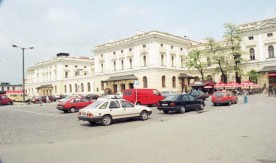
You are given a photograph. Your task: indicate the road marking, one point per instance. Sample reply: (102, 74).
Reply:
(32, 112)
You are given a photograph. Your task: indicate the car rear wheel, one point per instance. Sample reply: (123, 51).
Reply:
(106, 120)
(182, 110)
(166, 111)
(215, 104)
(72, 110)
(144, 115)
(65, 111)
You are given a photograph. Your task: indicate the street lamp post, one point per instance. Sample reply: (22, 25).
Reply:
(23, 64)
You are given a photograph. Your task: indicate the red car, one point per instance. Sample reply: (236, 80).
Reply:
(4, 100)
(73, 104)
(224, 97)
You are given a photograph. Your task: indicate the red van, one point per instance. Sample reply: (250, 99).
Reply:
(4, 100)
(142, 96)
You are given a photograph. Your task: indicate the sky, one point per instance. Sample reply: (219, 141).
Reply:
(77, 26)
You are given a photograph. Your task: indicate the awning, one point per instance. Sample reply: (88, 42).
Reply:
(268, 69)
(184, 75)
(45, 86)
(118, 78)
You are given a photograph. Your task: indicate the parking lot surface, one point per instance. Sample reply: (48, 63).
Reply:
(237, 133)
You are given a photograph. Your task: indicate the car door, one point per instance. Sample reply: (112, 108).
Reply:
(116, 110)
(129, 109)
(185, 101)
(83, 103)
(193, 104)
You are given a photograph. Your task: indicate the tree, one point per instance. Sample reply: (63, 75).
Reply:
(232, 38)
(219, 57)
(253, 76)
(196, 60)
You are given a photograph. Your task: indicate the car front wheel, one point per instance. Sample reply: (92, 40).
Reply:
(144, 115)
(106, 120)
(166, 111)
(201, 107)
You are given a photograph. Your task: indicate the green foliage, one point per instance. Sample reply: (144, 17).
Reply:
(253, 76)
(196, 60)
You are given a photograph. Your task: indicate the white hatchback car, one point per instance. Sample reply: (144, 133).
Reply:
(106, 110)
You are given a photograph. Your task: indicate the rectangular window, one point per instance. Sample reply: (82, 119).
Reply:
(66, 65)
(114, 53)
(76, 66)
(269, 34)
(144, 46)
(181, 49)
(161, 45)
(130, 49)
(250, 38)
(171, 47)
(122, 51)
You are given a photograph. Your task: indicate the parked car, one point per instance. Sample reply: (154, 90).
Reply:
(73, 104)
(224, 97)
(199, 94)
(168, 93)
(92, 97)
(106, 110)
(43, 98)
(142, 96)
(5, 100)
(180, 103)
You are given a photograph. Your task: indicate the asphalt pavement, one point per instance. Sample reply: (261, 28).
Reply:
(237, 133)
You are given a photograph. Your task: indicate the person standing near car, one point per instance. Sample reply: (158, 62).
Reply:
(40, 100)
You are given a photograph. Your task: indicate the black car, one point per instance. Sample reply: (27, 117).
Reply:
(92, 97)
(198, 94)
(180, 103)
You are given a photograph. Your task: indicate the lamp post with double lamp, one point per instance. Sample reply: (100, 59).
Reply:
(23, 64)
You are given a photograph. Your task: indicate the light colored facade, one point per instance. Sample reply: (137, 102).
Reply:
(146, 60)
(5, 86)
(62, 75)
(259, 43)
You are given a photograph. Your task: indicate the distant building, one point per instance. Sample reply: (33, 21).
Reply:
(62, 75)
(6, 86)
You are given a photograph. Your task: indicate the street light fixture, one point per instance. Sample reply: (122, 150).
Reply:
(23, 64)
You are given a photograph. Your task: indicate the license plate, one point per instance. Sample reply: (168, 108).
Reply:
(164, 104)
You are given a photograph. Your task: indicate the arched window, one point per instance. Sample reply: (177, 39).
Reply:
(173, 82)
(271, 51)
(66, 74)
(65, 89)
(145, 82)
(163, 81)
(82, 87)
(209, 77)
(145, 60)
(162, 60)
(88, 87)
(122, 64)
(252, 54)
(130, 63)
(76, 88)
(70, 88)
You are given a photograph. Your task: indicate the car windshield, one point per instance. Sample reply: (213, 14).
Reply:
(95, 104)
(171, 98)
(219, 94)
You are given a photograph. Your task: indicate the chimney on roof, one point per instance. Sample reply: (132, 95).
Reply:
(62, 54)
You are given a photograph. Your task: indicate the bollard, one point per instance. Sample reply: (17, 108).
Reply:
(245, 99)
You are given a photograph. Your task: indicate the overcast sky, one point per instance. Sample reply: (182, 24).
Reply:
(77, 26)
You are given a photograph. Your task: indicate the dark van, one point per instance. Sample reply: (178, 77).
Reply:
(142, 96)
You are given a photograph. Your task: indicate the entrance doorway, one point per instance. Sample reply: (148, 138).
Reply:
(123, 87)
(131, 85)
(115, 88)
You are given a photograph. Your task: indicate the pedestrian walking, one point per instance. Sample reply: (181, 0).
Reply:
(47, 99)
(40, 100)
